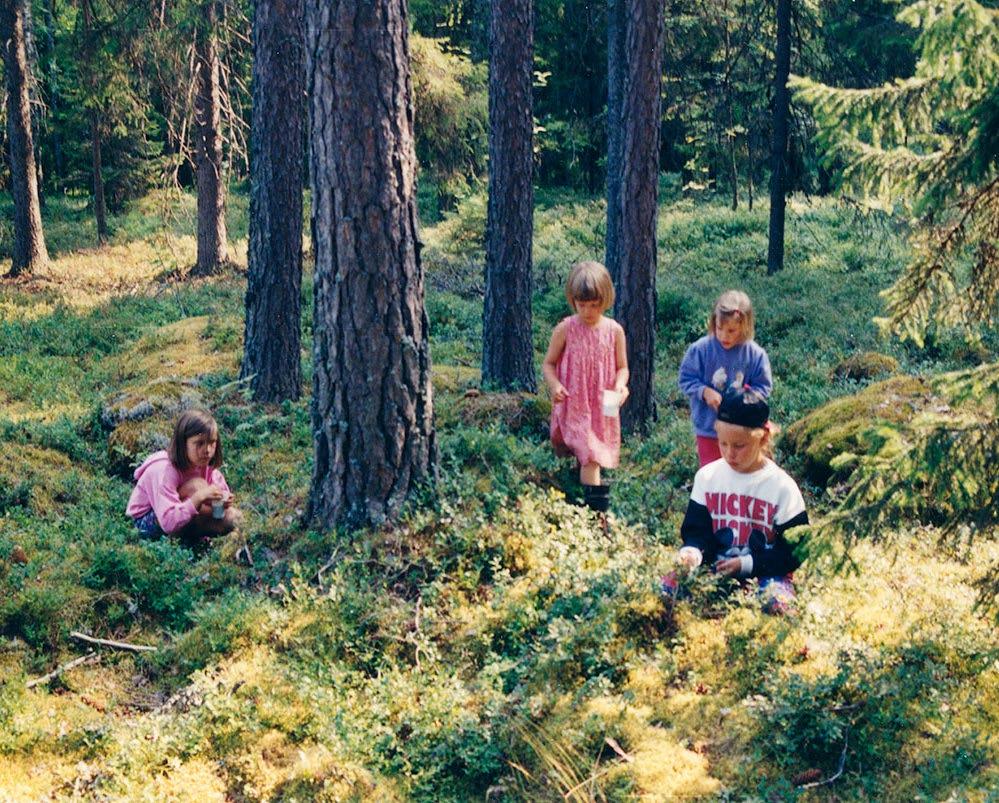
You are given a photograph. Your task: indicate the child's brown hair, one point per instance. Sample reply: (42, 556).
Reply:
(734, 305)
(191, 423)
(589, 281)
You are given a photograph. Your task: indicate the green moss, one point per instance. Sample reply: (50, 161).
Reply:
(838, 427)
(865, 365)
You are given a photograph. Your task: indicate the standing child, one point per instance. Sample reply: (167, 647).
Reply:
(587, 356)
(726, 357)
(740, 506)
(180, 490)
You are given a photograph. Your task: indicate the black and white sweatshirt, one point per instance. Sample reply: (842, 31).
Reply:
(744, 515)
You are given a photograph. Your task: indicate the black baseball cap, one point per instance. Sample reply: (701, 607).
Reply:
(744, 407)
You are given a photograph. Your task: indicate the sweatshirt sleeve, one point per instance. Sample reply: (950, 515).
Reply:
(761, 379)
(172, 513)
(691, 369)
(696, 530)
(778, 559)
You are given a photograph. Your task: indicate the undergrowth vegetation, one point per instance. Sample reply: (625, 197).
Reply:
(495, 644)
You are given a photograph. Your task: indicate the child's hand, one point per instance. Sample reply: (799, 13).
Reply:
(712, 398)
(689, 556)
(207, 494)
(730, 567)
(559, 393)
(624, 393)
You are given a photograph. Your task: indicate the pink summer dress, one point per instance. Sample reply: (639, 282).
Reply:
(587, 367)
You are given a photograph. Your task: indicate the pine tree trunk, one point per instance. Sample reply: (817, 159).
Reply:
(635, 306)
(729, 103)
(272, 342)
(507, 350)
(29, 253)
(615, 132)
(775, 251)
(54, 98)
(212, 253)
(100, 209)
(372, 411)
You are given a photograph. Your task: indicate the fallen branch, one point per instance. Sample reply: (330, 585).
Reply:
(118, 645)
(90, 657)
(842, 763)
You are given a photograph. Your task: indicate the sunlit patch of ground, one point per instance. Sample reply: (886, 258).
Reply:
(87, 278)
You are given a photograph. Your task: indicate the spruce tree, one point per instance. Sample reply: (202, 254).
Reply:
(931, 143)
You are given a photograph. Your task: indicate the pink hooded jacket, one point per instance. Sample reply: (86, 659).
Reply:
(157, 481)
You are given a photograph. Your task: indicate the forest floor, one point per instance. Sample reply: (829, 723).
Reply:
(495, 644)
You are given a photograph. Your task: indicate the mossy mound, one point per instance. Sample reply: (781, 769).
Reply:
(520, 413)
(830, 440)
(167, 368)
(35, 478)
(837, 429)
(865, 365)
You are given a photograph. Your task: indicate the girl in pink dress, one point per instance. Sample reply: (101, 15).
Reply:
(587, 356)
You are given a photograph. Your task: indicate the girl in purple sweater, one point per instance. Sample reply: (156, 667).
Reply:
(727, 357)
(180, 490)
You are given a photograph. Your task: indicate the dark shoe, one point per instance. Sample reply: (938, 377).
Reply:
(597, 497)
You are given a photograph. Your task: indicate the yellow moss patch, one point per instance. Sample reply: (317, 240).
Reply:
(32, 475)
(660, 767)
(275, 768)
(454, 378)
(185, 349)
(196, 781)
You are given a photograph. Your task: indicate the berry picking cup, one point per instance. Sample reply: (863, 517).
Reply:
(610, 402)
(218, 508)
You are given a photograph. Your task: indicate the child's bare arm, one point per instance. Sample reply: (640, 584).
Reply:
(623, 374)
(550, 366)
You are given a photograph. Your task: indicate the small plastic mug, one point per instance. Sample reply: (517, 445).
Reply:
(611, 402)
(218, 508)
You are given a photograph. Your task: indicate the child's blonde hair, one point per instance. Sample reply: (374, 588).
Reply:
(734, 305)
(589, 281)
(192, 423)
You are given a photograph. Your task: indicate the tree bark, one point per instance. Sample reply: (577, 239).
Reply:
(775, 250)
(212, 246)
(100, 208)
(29, 253)
(635, 306)
(372, 410)
(727, 88)
(615, 132)
(272, 342)
(507, 349)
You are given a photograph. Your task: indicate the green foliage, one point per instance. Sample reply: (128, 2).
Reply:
(930, 141)
(452, 115)
(496, 638)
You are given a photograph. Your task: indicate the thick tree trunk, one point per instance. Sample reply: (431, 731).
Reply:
(635, 307)
(775, 251)
(212, 253)
(616, 63)
(29, 252)
(372, 410)
(507, 350)
(272, 351)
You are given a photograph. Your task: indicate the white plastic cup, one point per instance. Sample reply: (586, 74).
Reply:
(611, 402)
(218, 508)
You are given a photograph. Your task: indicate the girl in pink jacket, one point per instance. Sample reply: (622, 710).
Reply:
(180, 490)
